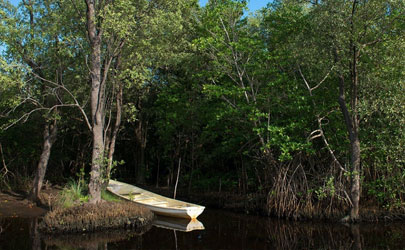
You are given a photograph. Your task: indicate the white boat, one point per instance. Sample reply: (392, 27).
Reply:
(156, 203)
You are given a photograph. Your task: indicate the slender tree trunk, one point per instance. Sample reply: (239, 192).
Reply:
(140, 136)
(354, 126)
(97, 104)
(177, 179)
(158, 170)
(352, 130)
(50, 134)
(190, 181)
(113, 138)
(355, 180)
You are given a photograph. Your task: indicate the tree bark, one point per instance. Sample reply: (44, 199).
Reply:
(354, 125)
(140, 138)
(352, 130)
(355, 180)
(50, 134)
(112, 140)
(97, 104)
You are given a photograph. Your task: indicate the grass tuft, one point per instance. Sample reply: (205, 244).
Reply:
(73, 194)
(107, 196)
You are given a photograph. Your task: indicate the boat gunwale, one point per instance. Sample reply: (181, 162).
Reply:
(188, 205)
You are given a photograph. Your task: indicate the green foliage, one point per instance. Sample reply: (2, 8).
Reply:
(75, 192)
(388, 190)
(242, 74)
(237, 97)
(328, 189)
(107, 196)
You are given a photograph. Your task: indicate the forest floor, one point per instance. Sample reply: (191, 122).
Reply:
(16, 204)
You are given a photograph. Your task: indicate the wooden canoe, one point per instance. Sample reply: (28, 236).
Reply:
(156, 203)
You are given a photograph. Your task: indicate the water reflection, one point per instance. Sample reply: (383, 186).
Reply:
(34, 234)
(97, 240)
(183, 225)
(222, 231)
(232, 231)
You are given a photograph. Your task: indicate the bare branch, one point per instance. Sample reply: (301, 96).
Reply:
(76, 102)
(229, 102)
(319, 132)
(319, 84)
(314, 134)
(305, 81)
(24, 117)
(325, 141)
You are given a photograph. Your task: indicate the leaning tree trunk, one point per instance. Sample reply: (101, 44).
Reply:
(50, 133)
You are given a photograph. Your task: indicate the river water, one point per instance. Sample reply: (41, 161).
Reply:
(223, 230)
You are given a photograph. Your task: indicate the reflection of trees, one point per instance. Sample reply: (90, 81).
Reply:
(34, 235)
(225, 231)
(289, 235)
(97, 240)
(89, 241)
(3, 226)
(321, 235)
(356, 235)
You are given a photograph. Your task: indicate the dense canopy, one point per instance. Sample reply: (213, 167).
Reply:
(301, 102)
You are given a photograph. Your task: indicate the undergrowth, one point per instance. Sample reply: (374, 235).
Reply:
(95, 217)
(74, 193)
(107, 196)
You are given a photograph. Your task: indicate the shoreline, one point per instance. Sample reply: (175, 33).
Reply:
(16, 205)
(254, 204)
(13, 204)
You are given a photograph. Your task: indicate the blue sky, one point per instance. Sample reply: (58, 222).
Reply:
(253, 5)
(15, 2)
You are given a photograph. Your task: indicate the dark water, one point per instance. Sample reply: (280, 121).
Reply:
(223, 230)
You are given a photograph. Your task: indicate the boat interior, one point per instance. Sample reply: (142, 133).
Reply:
(144, 198)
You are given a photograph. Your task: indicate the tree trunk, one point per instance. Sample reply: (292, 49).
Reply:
(355, 180)
(140, 137)
(158, 170)
(97, 163)
(113, 137)
(177, 179)
(352, 130)
(353, 127)
(50, 134)
(97, 104)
